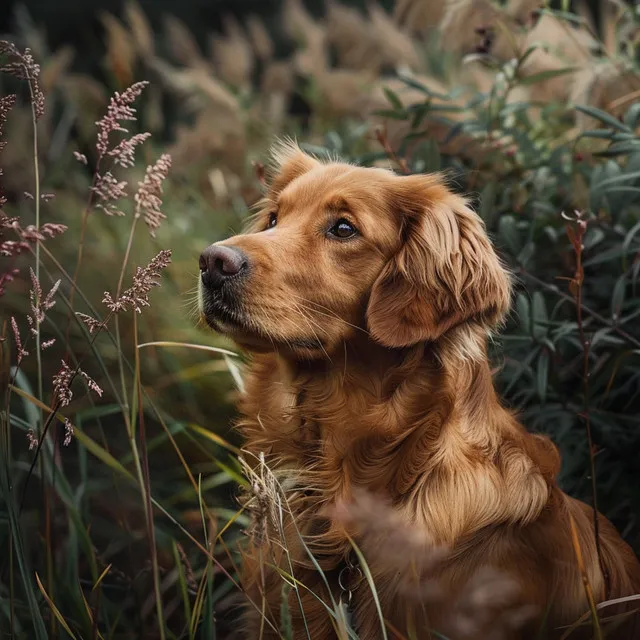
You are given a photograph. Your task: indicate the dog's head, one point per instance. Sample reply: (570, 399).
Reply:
(337, 249)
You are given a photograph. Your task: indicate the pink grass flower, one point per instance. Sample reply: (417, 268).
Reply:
(149, 196)
(21, 352)
(68, 432)
(119, 110)
(91, 323)
(123, 153)
(108, 189)
(137, 296)
(33, 441)
(21, 65)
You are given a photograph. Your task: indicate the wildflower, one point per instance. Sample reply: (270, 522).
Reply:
(92, 323)
(46, 197)
(62, 383)
(108, 189)
(53, 229)
(40, 304)
(148, 199)
(91, 383)
(137, 296)
(123, 153)
(47, 343)
(8, 276)
(24, 67)
(31, 234)
(6, 104)
(80, 157)
(68, 432)
(9, 248)
(16, 336)
(119, 109)
(33, 441)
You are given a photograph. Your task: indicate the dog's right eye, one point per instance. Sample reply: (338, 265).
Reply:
(273, 221)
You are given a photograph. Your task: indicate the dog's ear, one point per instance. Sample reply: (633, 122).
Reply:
(445, 273)
(288, 163)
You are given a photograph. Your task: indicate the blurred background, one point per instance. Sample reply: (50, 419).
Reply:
(531, 108)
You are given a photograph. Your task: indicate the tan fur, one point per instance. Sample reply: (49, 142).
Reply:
(369, 371)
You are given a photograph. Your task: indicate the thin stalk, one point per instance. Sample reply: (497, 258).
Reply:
(83, 229)
(145, 480)
(36, 174)
(586, 348)
(127, 253)
(576, 237)
(45, 492)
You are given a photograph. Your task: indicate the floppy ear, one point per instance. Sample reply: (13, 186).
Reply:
(288, 163)
(445, 273)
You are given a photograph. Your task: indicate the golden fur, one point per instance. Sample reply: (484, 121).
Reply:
(369, 372)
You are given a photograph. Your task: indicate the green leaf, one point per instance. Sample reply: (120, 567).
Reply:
(619, 149)
(524, 312)
(394, 115)
(540, 315)
(622, 177)
(603, 134)
(423, 88)
(286, 626)
(544, 75)
(632, 116)
(617, 298)
(391, 96)
(526, 254)
(542, 377)
(509, 234)
(604, 117)
(631, 234)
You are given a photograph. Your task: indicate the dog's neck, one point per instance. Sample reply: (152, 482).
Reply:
(401, 384)
(422, 423)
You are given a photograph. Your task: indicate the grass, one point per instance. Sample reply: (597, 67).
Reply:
(132, 528)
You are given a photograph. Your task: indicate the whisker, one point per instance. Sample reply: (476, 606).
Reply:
(327, 313)
(308, 321)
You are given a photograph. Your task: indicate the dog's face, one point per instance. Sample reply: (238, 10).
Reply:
(338, 249)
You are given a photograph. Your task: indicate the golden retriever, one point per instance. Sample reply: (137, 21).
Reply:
(365, 300)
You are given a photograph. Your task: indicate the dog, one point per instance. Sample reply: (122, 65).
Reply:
(364, 300)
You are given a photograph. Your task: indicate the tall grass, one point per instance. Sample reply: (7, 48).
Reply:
(119, 470)
(92, 550)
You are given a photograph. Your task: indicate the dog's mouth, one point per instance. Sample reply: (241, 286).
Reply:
(228, 316)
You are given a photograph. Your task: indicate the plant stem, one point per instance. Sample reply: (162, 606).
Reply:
(36, 175)
(83, 229)
(41, 435)
(127, 253)
(145, 479)
(586, 349)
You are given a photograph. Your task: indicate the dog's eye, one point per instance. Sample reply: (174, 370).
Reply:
(273, 220)
(343, 229)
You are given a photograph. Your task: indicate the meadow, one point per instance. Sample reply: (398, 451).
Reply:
(120, 467)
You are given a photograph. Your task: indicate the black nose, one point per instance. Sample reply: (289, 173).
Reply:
(219, 263)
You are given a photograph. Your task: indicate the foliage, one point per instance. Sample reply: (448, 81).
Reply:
(123, 506)
(569, 355)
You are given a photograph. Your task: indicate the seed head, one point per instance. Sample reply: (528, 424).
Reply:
(149, 196)
(137, 296)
